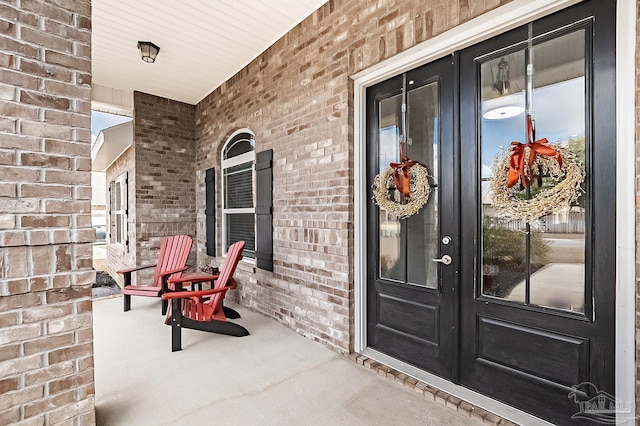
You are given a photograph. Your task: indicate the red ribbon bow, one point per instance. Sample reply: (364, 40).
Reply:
(401, 172)
(517, 170)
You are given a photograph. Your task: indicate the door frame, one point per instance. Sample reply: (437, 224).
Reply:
(495, 22)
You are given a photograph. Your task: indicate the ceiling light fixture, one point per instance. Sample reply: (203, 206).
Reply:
(503, 112)
(502, 83)
(148, 51)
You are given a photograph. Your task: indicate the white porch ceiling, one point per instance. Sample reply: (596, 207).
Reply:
(202, 43)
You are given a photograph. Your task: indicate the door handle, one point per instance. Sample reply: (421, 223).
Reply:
(446, 259)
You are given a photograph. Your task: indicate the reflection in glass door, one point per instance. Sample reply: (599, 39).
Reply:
(542, 262)
(538, 293)
(408, 245)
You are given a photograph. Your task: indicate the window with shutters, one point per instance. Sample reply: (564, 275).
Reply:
(238, 205)
(118, 210)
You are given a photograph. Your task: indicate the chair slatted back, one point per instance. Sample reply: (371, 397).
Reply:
(228, 268)
(174, 252)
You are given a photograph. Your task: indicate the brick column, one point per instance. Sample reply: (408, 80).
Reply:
(164, 182)
(46, 342)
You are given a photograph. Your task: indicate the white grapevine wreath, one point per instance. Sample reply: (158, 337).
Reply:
(567, 177)
(384, 191)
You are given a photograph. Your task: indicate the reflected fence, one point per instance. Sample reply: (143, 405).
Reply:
(560, 223)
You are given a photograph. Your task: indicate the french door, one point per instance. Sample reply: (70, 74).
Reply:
(408, 286)
(524, 311)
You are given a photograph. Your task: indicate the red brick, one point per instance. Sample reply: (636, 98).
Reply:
(64, 177)
(7, 93)
(47, 312)
(56, 386)
(44, 100)
(8, 385)
(19, 365)
(45, 70)
(79, 409)
(10, 416)
(8, 319)
(23, 49)
(43, 375)
(48, 404)
(67, 61)
(9, 29)
(8, 190)
(48, 10)
(20, 333)
(45, 130)
(54, 206)
(46, 40)
(9, 352)
(38, 238)
(19, 302)
(7, 157)
(14, 109)
(41, 260)
(20, 141)
(69, 323)
(18, 174)
(46, 161)
(73, 352)
(38, 284)
(67, 31)
(45, 221)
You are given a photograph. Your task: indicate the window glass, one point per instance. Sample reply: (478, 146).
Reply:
(238, 210)
(118, 215)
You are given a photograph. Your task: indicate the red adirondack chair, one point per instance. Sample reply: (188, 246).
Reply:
(203, 309)
(172, 260)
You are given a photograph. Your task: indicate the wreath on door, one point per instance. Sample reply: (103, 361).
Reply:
(402, 189)
(525, 165)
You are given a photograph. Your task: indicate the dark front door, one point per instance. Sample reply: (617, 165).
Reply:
(538, 297)
(525, 311)
(411, 307)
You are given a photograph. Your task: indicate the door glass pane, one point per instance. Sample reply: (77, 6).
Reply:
(407, 246)
(503, 241)
(422, 228)
(392, 259)
(558, 278)
(552, 257)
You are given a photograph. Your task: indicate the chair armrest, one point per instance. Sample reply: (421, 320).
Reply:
(193, 278)
(135, 268)
(173, 271)
(187, 294)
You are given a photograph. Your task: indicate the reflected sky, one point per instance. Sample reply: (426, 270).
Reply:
(557, 109)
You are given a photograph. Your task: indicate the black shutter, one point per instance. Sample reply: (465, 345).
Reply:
(210, 210)
(264, 207)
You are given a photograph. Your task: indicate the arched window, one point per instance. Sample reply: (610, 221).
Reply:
(238, 208)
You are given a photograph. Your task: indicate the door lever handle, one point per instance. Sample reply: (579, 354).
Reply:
(446, 259)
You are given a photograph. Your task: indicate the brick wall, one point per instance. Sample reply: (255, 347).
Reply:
(121, 256)
(164, 140)
(46, 344)
(296, 98)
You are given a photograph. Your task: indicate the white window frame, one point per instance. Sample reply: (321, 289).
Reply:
(119, 211)
(234, 161)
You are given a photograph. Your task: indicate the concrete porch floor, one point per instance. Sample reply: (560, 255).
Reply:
(272, 377)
